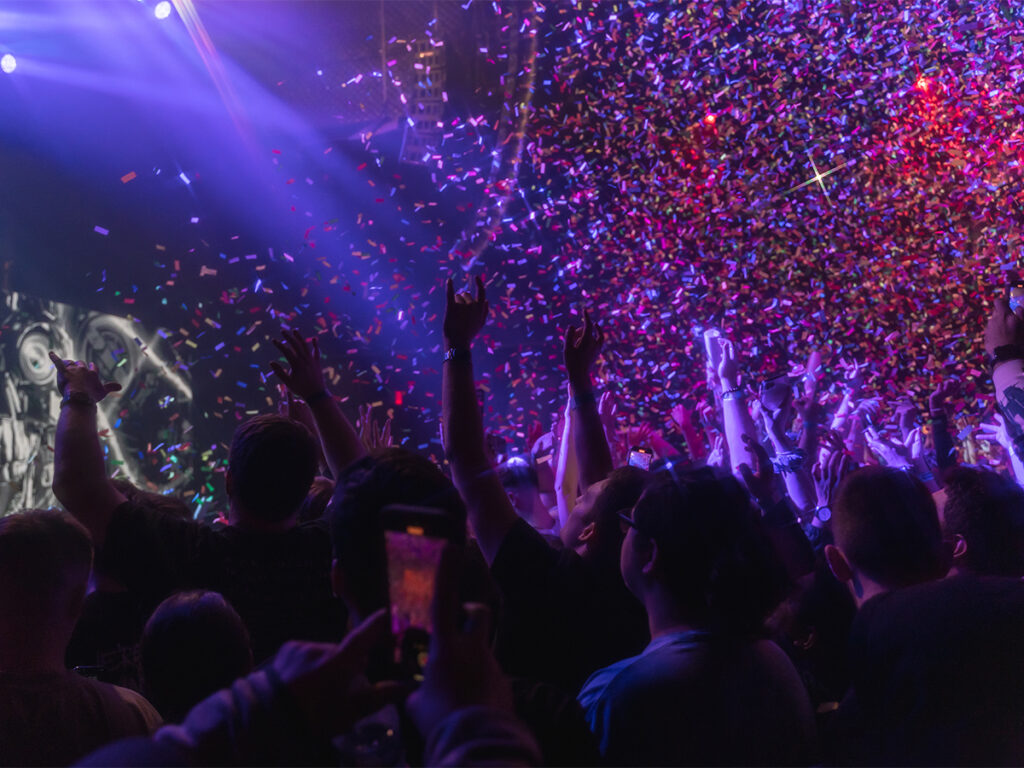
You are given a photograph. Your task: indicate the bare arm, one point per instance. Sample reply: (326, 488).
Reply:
(490, 512)
(735, 414)
(567, 476)
(340, 441)
(582, 346)
(80, 479)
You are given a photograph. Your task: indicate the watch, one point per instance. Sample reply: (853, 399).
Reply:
(77, 398)
(1005, 353)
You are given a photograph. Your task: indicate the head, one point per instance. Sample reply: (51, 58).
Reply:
(886, 531)
(45, 560)
(160, 502)
(594, 521)
(696, 542)
(193, 645)
(983, 518)
(395, 476)
(519, 479)
(315, 504)
(271, 466)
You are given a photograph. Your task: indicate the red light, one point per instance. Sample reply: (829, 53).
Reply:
(922, 83)
(709, 119)
(398, 397)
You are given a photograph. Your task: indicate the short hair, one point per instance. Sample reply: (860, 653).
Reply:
(193, 645)
(44, 553)
(885, 522)
(272, 461)
(623, 489)
(987, 509)
(394, 476)
(518, 472)
(714, 555)
(158, 502)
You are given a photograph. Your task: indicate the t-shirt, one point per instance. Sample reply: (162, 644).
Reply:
(937, 676)
(559, 619)
(55, 718)
(694, 699)
(278, 582)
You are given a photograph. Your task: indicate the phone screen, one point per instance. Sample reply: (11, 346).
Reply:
(413, 557)
(1016, 295)
(640, 457)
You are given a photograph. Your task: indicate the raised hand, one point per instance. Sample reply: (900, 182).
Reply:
(995, 432)
(1004, 327)
(717, 457)
(729, 368)
(305, 377)
(77, 377)
(582, 346)
(827, 474)
(758, 474)
(464, 316)
(296, 410)
(374, 438)
(891, 451)
(937, 399)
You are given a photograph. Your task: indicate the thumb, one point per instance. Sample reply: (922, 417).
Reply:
(112, 386)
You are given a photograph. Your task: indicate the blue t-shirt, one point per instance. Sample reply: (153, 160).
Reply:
(694, 698)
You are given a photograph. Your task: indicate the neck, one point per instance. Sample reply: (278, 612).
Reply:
(863, 588)
(24, 651)
(663, 614)
(240, 519)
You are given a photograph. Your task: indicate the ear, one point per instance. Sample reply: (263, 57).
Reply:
(838, 563)
(589, 532)
(653, 559)
(959, 544)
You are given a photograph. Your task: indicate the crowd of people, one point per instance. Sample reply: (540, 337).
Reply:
(792, 579)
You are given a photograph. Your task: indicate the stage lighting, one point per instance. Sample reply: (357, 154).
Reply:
(8, 63)
(162, 10)
(709, 119)
(922, 83)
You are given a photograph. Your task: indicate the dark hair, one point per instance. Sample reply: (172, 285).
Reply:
(988, 511)
(158, 502)
(886, 524)
(315, 504)
(272, 463)
(193, 645)
(714, 556)
(518, 472)
(394, 476)
(623, 489)
(43, 552)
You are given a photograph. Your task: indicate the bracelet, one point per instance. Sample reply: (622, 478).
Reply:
(317, 396)
(77, 398)
(457, 355)
(823, 513)
(733, 394)
(1005, 353)
(585, 398)
(926, 477)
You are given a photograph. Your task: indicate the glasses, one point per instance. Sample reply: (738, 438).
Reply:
(626, 522)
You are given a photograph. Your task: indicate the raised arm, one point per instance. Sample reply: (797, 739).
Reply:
(582, 346)
(305, 379)
(735, 414)
(567, 473)
(490, 512)
(80, 479)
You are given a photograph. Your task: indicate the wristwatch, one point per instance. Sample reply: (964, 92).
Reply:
(77, 398)
(1006, 353)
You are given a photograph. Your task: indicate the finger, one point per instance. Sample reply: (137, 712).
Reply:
(279, 371)
(446, 608)
(57, 362)
(357, 644)
(112, 386)
(286, 352)
(449, 289)
(316, 348)
(746, 475)
(481, 293)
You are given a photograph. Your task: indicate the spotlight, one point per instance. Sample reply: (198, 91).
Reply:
(709, 119)
(162, 10)
(922, 83)
(8, 63)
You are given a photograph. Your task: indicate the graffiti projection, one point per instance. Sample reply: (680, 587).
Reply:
(145, 428)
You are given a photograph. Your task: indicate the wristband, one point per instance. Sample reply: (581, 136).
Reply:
(926, 477)
(317, 396)
(585, 398)
(77, 398)
(457, 355)
(1005, 353)
(733, 394)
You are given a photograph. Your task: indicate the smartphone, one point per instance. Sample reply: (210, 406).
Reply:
(1015, 295)
(640, 457)
(713, 347)
(413, 540)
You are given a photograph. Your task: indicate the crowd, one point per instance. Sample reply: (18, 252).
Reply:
(790, 580)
